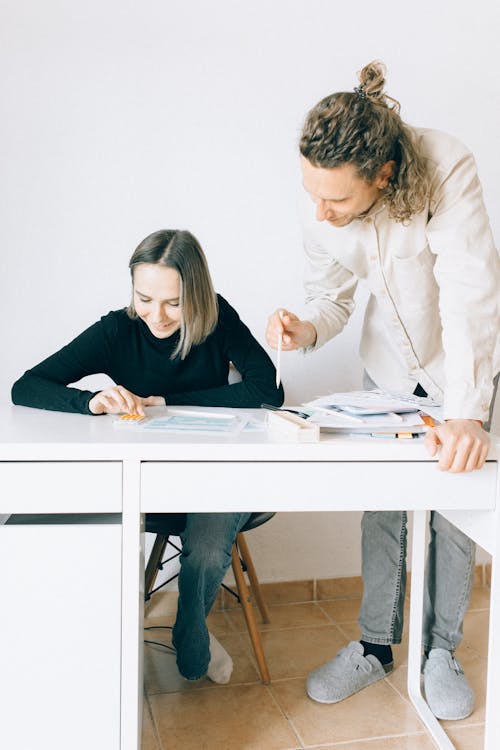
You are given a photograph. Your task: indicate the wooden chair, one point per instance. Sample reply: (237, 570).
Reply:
(172, 524)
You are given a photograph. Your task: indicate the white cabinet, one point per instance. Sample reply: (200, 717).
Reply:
(60, 636)
(60, 600)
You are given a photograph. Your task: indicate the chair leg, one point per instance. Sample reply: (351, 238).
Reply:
(252, 575)
(246, 603)
(154, 561)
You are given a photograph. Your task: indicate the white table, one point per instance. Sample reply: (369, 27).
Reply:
(60, 463)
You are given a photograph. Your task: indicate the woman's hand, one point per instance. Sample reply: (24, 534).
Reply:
(118, 399)
(296, 333)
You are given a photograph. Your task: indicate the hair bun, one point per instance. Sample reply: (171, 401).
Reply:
(372, 79)
(372, 82)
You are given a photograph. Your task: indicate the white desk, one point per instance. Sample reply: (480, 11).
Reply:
(55, 463)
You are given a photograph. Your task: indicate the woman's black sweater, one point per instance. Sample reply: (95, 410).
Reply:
(127, 351)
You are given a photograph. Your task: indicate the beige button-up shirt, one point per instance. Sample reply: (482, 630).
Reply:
(433, 316)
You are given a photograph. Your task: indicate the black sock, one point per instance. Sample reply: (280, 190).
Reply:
(382, 653)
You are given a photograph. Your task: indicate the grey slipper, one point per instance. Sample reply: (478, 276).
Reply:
(345, 675)
(447, 692)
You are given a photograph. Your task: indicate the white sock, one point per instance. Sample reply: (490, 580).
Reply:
(221, 664)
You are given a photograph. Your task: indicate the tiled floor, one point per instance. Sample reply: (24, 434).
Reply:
(246, 715)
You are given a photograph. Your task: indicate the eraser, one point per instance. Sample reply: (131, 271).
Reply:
(129, 419)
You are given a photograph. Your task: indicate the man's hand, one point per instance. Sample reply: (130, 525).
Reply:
(118, 399)
(464, 445)
(296, 333)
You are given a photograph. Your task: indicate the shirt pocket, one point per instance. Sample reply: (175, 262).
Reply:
(412, 282)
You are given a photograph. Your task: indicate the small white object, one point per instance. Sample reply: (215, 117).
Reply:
(337, 413)
(278, 358)
(395, 415)
(291, 428)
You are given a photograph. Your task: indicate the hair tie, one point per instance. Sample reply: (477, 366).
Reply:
(360, 91)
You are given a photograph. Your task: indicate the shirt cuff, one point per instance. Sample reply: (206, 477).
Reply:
(465, 402)
(323, 332)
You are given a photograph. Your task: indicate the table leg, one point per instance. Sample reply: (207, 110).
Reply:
(132, 609)
(492, 720)
(415, 632)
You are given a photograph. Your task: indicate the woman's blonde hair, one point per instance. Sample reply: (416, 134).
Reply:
(364, 128)
(181, 251)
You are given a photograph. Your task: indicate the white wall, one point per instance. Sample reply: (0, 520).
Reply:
(121, 117)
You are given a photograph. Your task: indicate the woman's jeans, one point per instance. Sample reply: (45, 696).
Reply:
(448, 582)
(206, 555)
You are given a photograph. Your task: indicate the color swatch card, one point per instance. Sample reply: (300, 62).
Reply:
(207, 424)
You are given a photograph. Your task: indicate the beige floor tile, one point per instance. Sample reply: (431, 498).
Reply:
(162, 676)
(283, 616)
(487, 574)
(287, 592)
(466, 653)
(377, 711)
(480, 598)
(476, 631)
(294, 653)
(217, 623)
(339, 588)
(238, 718)
(351, 630)
(148, 741)
(342, 610)
(398, 679)
(467, 738)
(161, 604)
(408, 742)
(281, 592)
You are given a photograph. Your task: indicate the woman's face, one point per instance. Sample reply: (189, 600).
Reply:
(157, 292)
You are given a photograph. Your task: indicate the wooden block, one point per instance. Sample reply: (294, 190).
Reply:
(289, 427)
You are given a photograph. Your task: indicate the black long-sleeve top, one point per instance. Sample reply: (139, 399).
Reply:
(127, 351)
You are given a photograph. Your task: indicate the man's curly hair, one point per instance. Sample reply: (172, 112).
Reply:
(364, 128)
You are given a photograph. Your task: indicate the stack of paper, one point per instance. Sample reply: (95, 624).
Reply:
(375, 413)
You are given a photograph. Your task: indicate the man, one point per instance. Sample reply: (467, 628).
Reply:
(401, 209)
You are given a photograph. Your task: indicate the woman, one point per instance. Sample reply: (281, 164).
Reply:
(173, 345)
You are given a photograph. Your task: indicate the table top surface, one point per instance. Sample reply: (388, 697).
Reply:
(35, 434)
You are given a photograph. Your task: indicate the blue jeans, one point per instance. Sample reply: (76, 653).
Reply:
(448, 582)
(206, 555)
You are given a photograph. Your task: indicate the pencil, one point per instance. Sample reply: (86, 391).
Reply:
(426, 419)
(278, 358)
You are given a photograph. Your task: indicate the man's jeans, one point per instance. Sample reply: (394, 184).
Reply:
(449, 577)
(206, 555)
